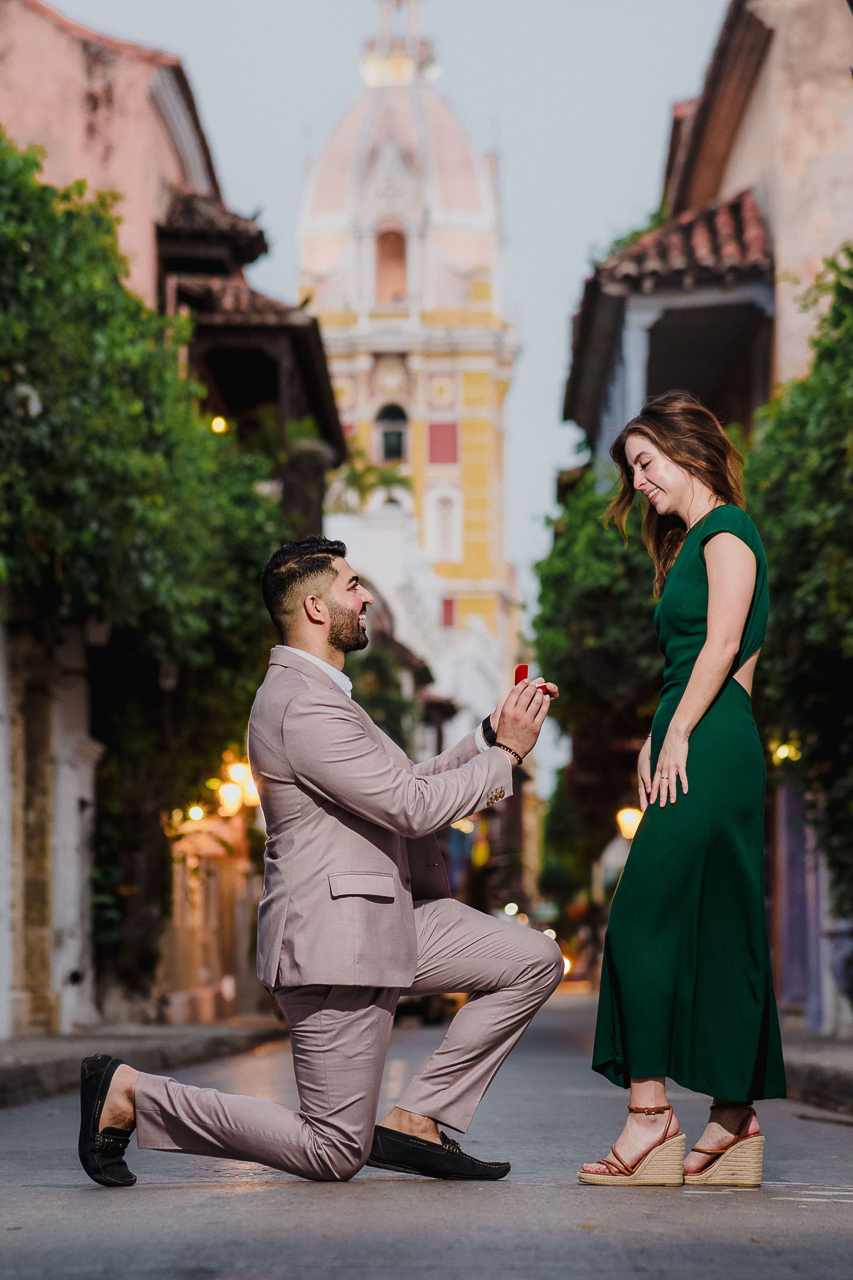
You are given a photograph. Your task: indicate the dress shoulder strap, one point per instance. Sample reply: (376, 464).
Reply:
(729, 519)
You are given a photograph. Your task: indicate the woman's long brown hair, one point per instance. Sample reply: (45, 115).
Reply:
(690, 436)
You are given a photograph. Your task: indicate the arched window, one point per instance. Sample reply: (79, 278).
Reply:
(391, 421)
(390, 267)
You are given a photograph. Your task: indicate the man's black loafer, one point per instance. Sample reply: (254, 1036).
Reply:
(399, 1151)
(101, 1154)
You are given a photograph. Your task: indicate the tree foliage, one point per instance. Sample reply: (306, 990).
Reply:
(657, 218)
(595, 638)
(358, 479)
(107, 468)
(800, 489)
(118, 503)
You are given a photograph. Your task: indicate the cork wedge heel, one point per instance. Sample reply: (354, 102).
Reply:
(663, 1166)
(738, 1164)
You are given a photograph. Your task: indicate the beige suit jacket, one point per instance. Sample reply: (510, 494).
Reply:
(350, 823)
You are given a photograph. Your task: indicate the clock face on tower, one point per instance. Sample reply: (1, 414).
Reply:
(390, 377)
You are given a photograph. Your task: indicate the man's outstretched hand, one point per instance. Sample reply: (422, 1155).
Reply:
(518, 719)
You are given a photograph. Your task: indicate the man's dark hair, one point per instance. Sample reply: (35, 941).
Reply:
(297, 570)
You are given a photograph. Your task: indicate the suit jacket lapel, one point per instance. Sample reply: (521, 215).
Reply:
(283, 658)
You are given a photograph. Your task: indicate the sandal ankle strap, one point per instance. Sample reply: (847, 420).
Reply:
(649, 1111)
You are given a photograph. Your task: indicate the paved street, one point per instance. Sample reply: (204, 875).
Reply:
(195, 1219)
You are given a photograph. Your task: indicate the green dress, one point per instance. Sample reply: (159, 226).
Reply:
(686, 985)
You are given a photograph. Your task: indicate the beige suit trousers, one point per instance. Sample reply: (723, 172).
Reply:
(339, 1037)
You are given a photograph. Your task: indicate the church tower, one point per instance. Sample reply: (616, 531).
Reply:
(400, 238)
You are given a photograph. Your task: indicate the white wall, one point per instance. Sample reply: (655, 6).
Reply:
(795, 147)
(76, 756)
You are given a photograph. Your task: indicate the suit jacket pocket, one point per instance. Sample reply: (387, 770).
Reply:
(362, 884)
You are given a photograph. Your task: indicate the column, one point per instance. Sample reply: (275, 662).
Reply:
(6, 929)
(640, 315)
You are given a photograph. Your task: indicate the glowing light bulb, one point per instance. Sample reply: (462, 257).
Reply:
(250, 791)
(567, 966)
(628, 820)
(231, 796)
(511, 908)
(238, 772)
(549, 933)
(219, 425)
(196, 813)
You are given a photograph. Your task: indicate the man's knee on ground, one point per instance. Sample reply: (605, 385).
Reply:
(338, 1160)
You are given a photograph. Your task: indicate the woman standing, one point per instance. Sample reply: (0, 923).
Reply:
(686, 986)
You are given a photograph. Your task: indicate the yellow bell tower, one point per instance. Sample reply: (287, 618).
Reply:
(400, 240)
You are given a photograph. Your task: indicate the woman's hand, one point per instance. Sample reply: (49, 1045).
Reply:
(672, 765)
(644, 772)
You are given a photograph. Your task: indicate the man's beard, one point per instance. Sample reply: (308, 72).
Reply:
(346, 634)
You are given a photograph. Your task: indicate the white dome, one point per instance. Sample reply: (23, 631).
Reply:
(399, 161)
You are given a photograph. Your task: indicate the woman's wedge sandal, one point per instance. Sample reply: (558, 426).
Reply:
(737, 1165)
(663, 1166)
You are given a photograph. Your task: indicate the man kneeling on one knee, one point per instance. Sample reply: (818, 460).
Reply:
(356, 909)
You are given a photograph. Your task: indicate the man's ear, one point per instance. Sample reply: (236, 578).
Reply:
(316, 610)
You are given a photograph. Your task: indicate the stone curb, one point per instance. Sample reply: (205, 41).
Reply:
(32, 1070)
(822, 1075)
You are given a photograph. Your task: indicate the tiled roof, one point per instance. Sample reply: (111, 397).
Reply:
(223, 305)
(722, 243)
(230, 300)
(199, 217)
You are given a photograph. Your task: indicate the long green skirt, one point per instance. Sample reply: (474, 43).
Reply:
(686, 985)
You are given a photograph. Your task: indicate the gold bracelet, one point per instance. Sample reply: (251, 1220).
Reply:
(504, 747)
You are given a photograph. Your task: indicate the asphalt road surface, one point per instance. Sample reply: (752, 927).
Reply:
(190, 1218)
